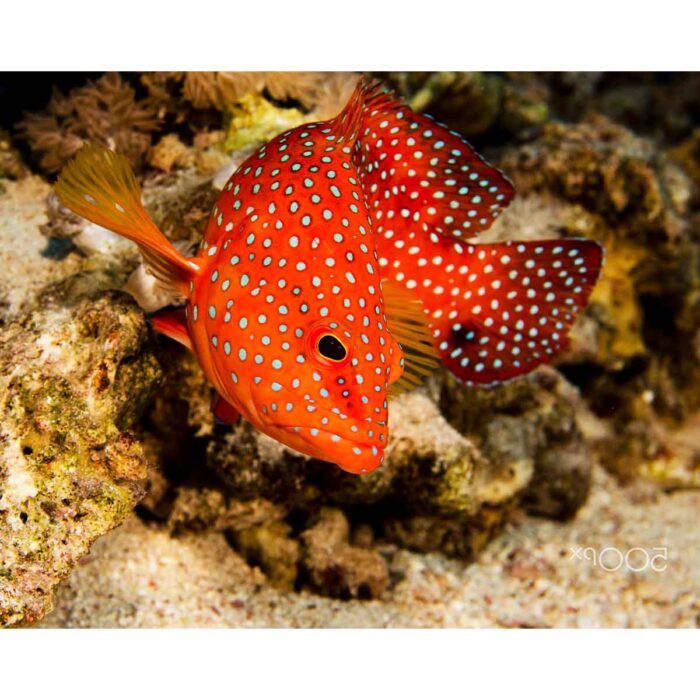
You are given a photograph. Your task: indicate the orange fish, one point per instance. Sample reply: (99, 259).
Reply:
(495, 311)
(331, 274)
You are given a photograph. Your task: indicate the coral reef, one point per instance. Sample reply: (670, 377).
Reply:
(531, 575)
(483, 494)
(637, 201)
(105, 111)
(325, 93)
(75, 375)
(335, 566)
(477, 104)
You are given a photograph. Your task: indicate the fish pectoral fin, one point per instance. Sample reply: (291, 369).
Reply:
(100, 186)
(409, 327)
(224, 411)
(172, 323)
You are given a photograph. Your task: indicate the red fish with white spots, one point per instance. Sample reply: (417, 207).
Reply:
(495, 311)
(332, 261)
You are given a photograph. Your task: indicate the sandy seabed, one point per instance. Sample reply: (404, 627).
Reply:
(537, 573)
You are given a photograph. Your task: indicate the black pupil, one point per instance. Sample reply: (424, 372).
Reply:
(330, 347)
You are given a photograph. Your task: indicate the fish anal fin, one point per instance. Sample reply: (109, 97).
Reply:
(172, 323)
(224, 411)
(408, 325)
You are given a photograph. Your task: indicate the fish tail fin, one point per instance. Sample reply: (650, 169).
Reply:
(498, 311)
(368, 92)
(100, 186)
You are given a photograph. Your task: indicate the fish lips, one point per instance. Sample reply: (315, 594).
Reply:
(350, 455)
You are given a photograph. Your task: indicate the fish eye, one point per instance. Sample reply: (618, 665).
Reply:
(331, 348)
(327, 347)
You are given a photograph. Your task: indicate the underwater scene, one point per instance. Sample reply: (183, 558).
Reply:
(329, 349)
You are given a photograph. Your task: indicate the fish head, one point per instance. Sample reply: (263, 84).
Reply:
(297, 337)
(324, 380)
(293, 293)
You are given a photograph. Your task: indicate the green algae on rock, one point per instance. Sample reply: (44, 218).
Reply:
(75, 374)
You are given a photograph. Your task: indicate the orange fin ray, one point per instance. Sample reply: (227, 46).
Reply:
(100, 186)
(408, 324)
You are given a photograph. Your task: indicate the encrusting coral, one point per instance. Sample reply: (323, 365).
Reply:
(74, 376)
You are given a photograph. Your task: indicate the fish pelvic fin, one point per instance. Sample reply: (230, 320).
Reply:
(99, 185)
(173, 324)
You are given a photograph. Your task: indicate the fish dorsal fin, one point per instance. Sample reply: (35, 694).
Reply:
(367, 91)
(100, 186)
(408, 324)
(432, 175)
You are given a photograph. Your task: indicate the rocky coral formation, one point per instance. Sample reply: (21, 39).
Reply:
(75, 375)
(113, 111)
(478, 104)
(615, 186)
(533, 574)
(337, 567)
(440, 487)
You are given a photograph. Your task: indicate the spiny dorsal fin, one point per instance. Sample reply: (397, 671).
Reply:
(408, 325)
(347, 123)
(431, 174)
(100, 186)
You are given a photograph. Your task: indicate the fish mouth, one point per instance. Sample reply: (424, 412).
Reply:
(354, 456)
